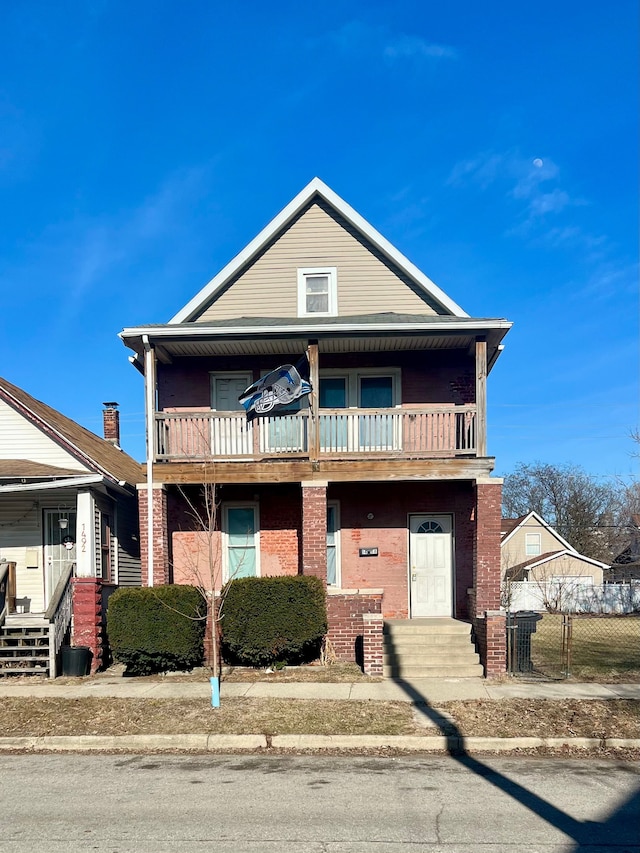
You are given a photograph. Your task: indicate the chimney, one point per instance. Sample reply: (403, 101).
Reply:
(111, 420)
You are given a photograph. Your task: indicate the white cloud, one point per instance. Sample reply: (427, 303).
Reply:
(553, 202)
(533, 182)
(482, 170)
(358, 38)
(413, 47)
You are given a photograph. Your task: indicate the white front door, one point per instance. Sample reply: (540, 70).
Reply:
(431, 565)
(59, 547)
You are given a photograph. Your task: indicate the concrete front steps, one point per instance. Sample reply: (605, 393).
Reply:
(24, 646)
(429, 648)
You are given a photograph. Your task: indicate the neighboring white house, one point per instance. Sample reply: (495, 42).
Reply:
(68, 531)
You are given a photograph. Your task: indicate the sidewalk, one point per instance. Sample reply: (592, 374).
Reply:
(431, 691)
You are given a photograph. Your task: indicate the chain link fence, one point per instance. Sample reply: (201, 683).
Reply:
(583, 647)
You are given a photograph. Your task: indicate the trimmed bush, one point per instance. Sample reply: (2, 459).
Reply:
(158, 629)
(269, 620)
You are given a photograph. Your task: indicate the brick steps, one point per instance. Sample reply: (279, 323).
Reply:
(429, 648)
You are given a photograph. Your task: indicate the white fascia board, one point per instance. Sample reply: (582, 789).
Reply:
(197, 331)
(71, 482)
(568, 552)
(280, 221)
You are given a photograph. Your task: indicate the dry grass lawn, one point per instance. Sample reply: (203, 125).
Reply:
(603, 648)
(504, 718)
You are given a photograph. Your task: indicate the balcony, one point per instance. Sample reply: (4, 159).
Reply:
(418, 432)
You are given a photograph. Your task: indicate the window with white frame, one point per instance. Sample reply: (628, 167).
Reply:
(533, 544)
(333, 544)
(241, 541)
(317, 291)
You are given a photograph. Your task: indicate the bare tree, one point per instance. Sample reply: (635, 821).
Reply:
(589, 514)
(201, 558)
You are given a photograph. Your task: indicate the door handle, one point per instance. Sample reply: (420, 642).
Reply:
(414, 577)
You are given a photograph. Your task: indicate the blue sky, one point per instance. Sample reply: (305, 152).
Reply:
(143, 144)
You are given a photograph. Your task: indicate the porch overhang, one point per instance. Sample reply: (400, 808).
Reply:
(287, 336)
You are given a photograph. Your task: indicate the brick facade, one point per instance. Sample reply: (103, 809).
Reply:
(372, 515)
(86, 627)
(486, 577)
(345, 612)
(161, 567)
(372, 644)
(390, 505)
(314, 531)
(484, 599)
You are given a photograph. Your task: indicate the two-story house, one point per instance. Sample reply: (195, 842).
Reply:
(378, 481)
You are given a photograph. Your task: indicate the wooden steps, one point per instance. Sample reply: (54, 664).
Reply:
(24, 647)
(429, 648)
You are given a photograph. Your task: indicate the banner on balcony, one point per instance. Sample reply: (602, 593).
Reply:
(277, 389)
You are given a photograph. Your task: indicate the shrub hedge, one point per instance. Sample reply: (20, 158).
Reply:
(272, 620)
(158, 629)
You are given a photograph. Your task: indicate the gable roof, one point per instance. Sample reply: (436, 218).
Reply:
(517, 523)
(508, 525)
(519, 570)
(97, 454)
(315, 189)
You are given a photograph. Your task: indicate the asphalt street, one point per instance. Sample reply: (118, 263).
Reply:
(313, 804)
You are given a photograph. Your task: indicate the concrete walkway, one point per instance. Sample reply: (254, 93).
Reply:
(432, 691)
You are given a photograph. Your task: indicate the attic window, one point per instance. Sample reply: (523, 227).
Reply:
(533, 544)
(317, 291)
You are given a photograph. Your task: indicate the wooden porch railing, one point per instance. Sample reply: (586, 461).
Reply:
(417, 432)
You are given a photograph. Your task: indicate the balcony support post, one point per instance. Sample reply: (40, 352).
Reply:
(314, 422)
(481, 397)
(150, 406)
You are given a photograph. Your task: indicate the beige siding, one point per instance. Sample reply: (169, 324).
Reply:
(566, 566)
(20, 439)
(366, 284)
(21, 542)
(514, 551)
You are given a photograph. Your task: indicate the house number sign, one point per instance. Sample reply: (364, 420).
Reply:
(368, 552)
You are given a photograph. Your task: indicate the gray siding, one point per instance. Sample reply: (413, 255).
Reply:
(127, 525)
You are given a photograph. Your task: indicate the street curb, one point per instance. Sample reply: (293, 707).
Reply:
(251, 743)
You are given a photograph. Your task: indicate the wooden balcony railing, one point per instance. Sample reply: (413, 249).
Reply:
(417, 432)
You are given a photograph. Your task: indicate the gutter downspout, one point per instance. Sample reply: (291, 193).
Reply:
(149, 396)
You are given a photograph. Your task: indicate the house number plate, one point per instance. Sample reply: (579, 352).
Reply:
(368, 552)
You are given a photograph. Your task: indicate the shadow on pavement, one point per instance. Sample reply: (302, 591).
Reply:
(621, 828)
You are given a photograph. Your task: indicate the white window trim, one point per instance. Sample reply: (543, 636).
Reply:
(536, 540)
(338, 583)
(332, 273)
(353, 381)
(225, 534)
